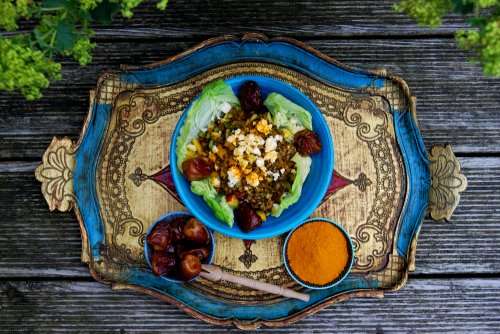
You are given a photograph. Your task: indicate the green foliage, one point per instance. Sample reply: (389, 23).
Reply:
(25, 69)
(63, 29)
(483, 39)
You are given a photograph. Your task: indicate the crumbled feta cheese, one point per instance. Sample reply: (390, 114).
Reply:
(237, 132)
(274, 175)
(238, 151)
(216, 182)
(271, 144)
(215, 149)
(234, 176)
(225, 107)
(231, 139)
(252, 179)
(278, 138)
(255, 151)
(271, 156)
(191, 147)
(282, 170)
(275, 206)
(259, 162)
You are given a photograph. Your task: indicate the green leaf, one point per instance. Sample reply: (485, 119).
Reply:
(66, 37)
(39, 38)
(104, 11)
(478, 21)
(56, 4)
(462, 7)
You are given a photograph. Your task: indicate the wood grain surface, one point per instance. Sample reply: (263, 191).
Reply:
(69, 307)
(456, 286)
(200, 19)
(453, 100)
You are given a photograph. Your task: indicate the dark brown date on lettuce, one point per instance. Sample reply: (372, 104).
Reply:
(163, 263)
(251, 96)
(197, 168)
(307, 142)
(246, 217)
(160, 237)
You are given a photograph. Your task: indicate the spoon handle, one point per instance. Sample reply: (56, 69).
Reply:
(214, 273)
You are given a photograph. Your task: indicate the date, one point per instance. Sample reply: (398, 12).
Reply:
(307, 142)
(197, 168)
(247, 218)
(251, 96)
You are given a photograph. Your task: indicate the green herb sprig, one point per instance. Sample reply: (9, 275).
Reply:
(27, 59)
(483, 39)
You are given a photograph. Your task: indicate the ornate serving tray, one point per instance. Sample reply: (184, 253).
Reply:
(117, 177)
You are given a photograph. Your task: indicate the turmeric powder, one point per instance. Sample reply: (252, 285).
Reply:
(318, 253)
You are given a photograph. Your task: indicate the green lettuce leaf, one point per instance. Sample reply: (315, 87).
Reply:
(212, 103)
(215, 201)
(303, 165)
(287, 115)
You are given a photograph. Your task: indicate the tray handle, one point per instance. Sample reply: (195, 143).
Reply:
(447, 183)
(56, 174)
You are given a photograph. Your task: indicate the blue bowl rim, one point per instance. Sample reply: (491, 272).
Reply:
(255, 234)
(176, 213)
(290, 272)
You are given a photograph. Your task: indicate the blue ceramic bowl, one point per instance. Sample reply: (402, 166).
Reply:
(347, 269)
(170, 217)
(314, 187)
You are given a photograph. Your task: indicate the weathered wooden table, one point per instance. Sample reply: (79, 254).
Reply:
(456, 287)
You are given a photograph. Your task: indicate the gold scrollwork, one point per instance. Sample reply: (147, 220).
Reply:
(447, 182)
(352, 116)
(56, 174)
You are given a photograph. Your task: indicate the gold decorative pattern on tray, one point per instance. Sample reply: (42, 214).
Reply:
(136, 148)
(56, 174)
(447, 182)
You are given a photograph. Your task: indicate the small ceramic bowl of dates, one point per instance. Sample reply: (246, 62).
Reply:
(176, 246)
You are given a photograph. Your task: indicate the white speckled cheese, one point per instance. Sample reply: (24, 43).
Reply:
(255, 151)
(274, 175)
(238, 151)
(191, 147)
(259, 162)
(234, 176)
(225, 107)
(271, 156)
(271, 144)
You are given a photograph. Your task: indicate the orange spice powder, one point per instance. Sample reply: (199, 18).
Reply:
(317, 252)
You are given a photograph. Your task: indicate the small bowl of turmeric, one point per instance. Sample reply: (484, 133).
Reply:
(318, 254)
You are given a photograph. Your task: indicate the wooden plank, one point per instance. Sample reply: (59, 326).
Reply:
(198, 18)
(424, 305)
(35, 242)
(454, 101)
